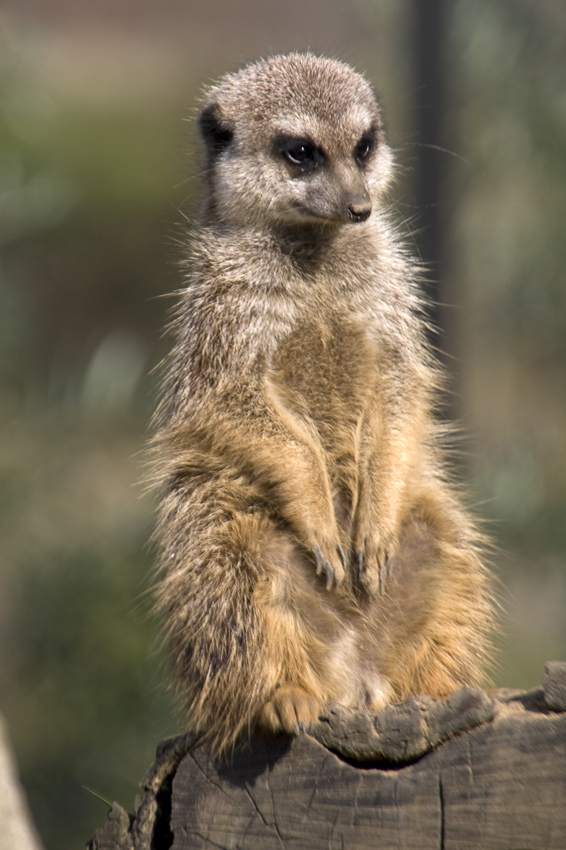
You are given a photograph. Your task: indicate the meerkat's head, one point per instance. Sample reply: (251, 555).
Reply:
(294, 140)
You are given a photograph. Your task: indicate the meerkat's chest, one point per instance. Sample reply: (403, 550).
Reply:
(326, 369)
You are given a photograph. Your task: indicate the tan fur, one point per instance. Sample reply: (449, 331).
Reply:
(312, 547)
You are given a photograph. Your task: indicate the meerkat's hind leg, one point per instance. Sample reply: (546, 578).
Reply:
(435, 617)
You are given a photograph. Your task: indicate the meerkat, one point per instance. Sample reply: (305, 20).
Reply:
(313, 549)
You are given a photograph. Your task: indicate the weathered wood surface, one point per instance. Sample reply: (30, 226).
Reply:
(479, 771)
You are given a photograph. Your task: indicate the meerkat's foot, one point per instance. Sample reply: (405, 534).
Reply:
(291, 709)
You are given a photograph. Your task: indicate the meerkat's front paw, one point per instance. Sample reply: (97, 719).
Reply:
(374, 560)
(330, 560)
(291, 709)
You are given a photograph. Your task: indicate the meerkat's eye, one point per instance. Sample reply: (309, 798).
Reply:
(300, 154)
(365, 146)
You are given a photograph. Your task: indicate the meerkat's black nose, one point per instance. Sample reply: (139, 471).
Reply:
(359, 212)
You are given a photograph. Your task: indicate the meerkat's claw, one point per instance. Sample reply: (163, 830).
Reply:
(323, 566)
(374, 562)
(388, 567)
(334, 572)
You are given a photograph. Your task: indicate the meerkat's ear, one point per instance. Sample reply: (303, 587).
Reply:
(216, 130)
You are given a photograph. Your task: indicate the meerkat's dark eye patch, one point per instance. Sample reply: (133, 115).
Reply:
(366, 145)
(216, 131)
(300, 153)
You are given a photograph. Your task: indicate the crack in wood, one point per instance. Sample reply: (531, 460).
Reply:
(442, 812)
(275, 824)
(255, 805)
(221, 787)
(209, 840)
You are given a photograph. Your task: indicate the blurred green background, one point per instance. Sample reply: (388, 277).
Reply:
(97, 175)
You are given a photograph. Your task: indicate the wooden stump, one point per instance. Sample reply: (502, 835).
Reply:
(480, 770)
